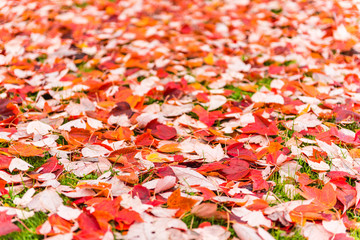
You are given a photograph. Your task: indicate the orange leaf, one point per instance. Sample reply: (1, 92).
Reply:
(325, 197)
(169, 148)
(25, 150)
(177, 201)
(274, 147)
(60, 224)
(309, 212)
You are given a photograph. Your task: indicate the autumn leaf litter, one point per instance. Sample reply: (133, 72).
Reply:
(179, 119)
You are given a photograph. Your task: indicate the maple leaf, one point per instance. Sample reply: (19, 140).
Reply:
(160, 130)
(5, 161)
(207, 117)
(25, 150)
(8, 112)
(325, 197)
(128, 216)
(6, 226)
(237, 150)
(261, 126)
(177, 201)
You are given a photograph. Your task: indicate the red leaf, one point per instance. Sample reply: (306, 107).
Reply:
(141, 192)
(5, 161)
(236, 170)
(164, 132)
(8, 112)
(122, 108)
(51, 165)
(261, 126)
(258, 182)
(207, 117)
(237, 150)
(145, 139)
(160, 130)
(88, 223)
(6, 226)
(128, 217)
(207, 193)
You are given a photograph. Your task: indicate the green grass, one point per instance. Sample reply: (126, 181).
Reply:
(41, 58)
(61, 140)
(36, 161)
(193, 115)
(305, 168)
(82, 4)
(288, 63)
(285, 133)
(264, 82)
(28, 108)
(70, 179)
(276, 11)
(282, 235)
(354, 126)
(355, 233)
(238, 94)
(279, 189)
(146, 176)
(150, 100)
(82, 66)
(4, 144)
(31, 223)
(269, 62)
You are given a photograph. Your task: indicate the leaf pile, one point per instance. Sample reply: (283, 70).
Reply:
(187, 119)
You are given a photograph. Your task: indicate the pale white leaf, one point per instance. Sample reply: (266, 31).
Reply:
(94, 151)
(25, 199)
(265, 235)
(215, 102)
(165, 183)
(267, 98)
(78, 123)
(19, 164)
(94, 123)
(47, 200)
(189, 177)
(245, 232)
(334, 226)
(208, 153)
(315, 231)
(214, 232)
(66, 236)
(321, 166)
(68, 213)
(163, 212)
(303, 122)
(38, 127)
(174, 110)
(253, 218)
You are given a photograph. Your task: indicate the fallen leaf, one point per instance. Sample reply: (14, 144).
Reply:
(177, 201)
(25, 150)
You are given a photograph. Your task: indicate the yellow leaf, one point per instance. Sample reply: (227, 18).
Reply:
(154, 157)
(209, 59)
(305, 110)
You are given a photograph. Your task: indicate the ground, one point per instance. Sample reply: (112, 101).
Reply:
(158, 119)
